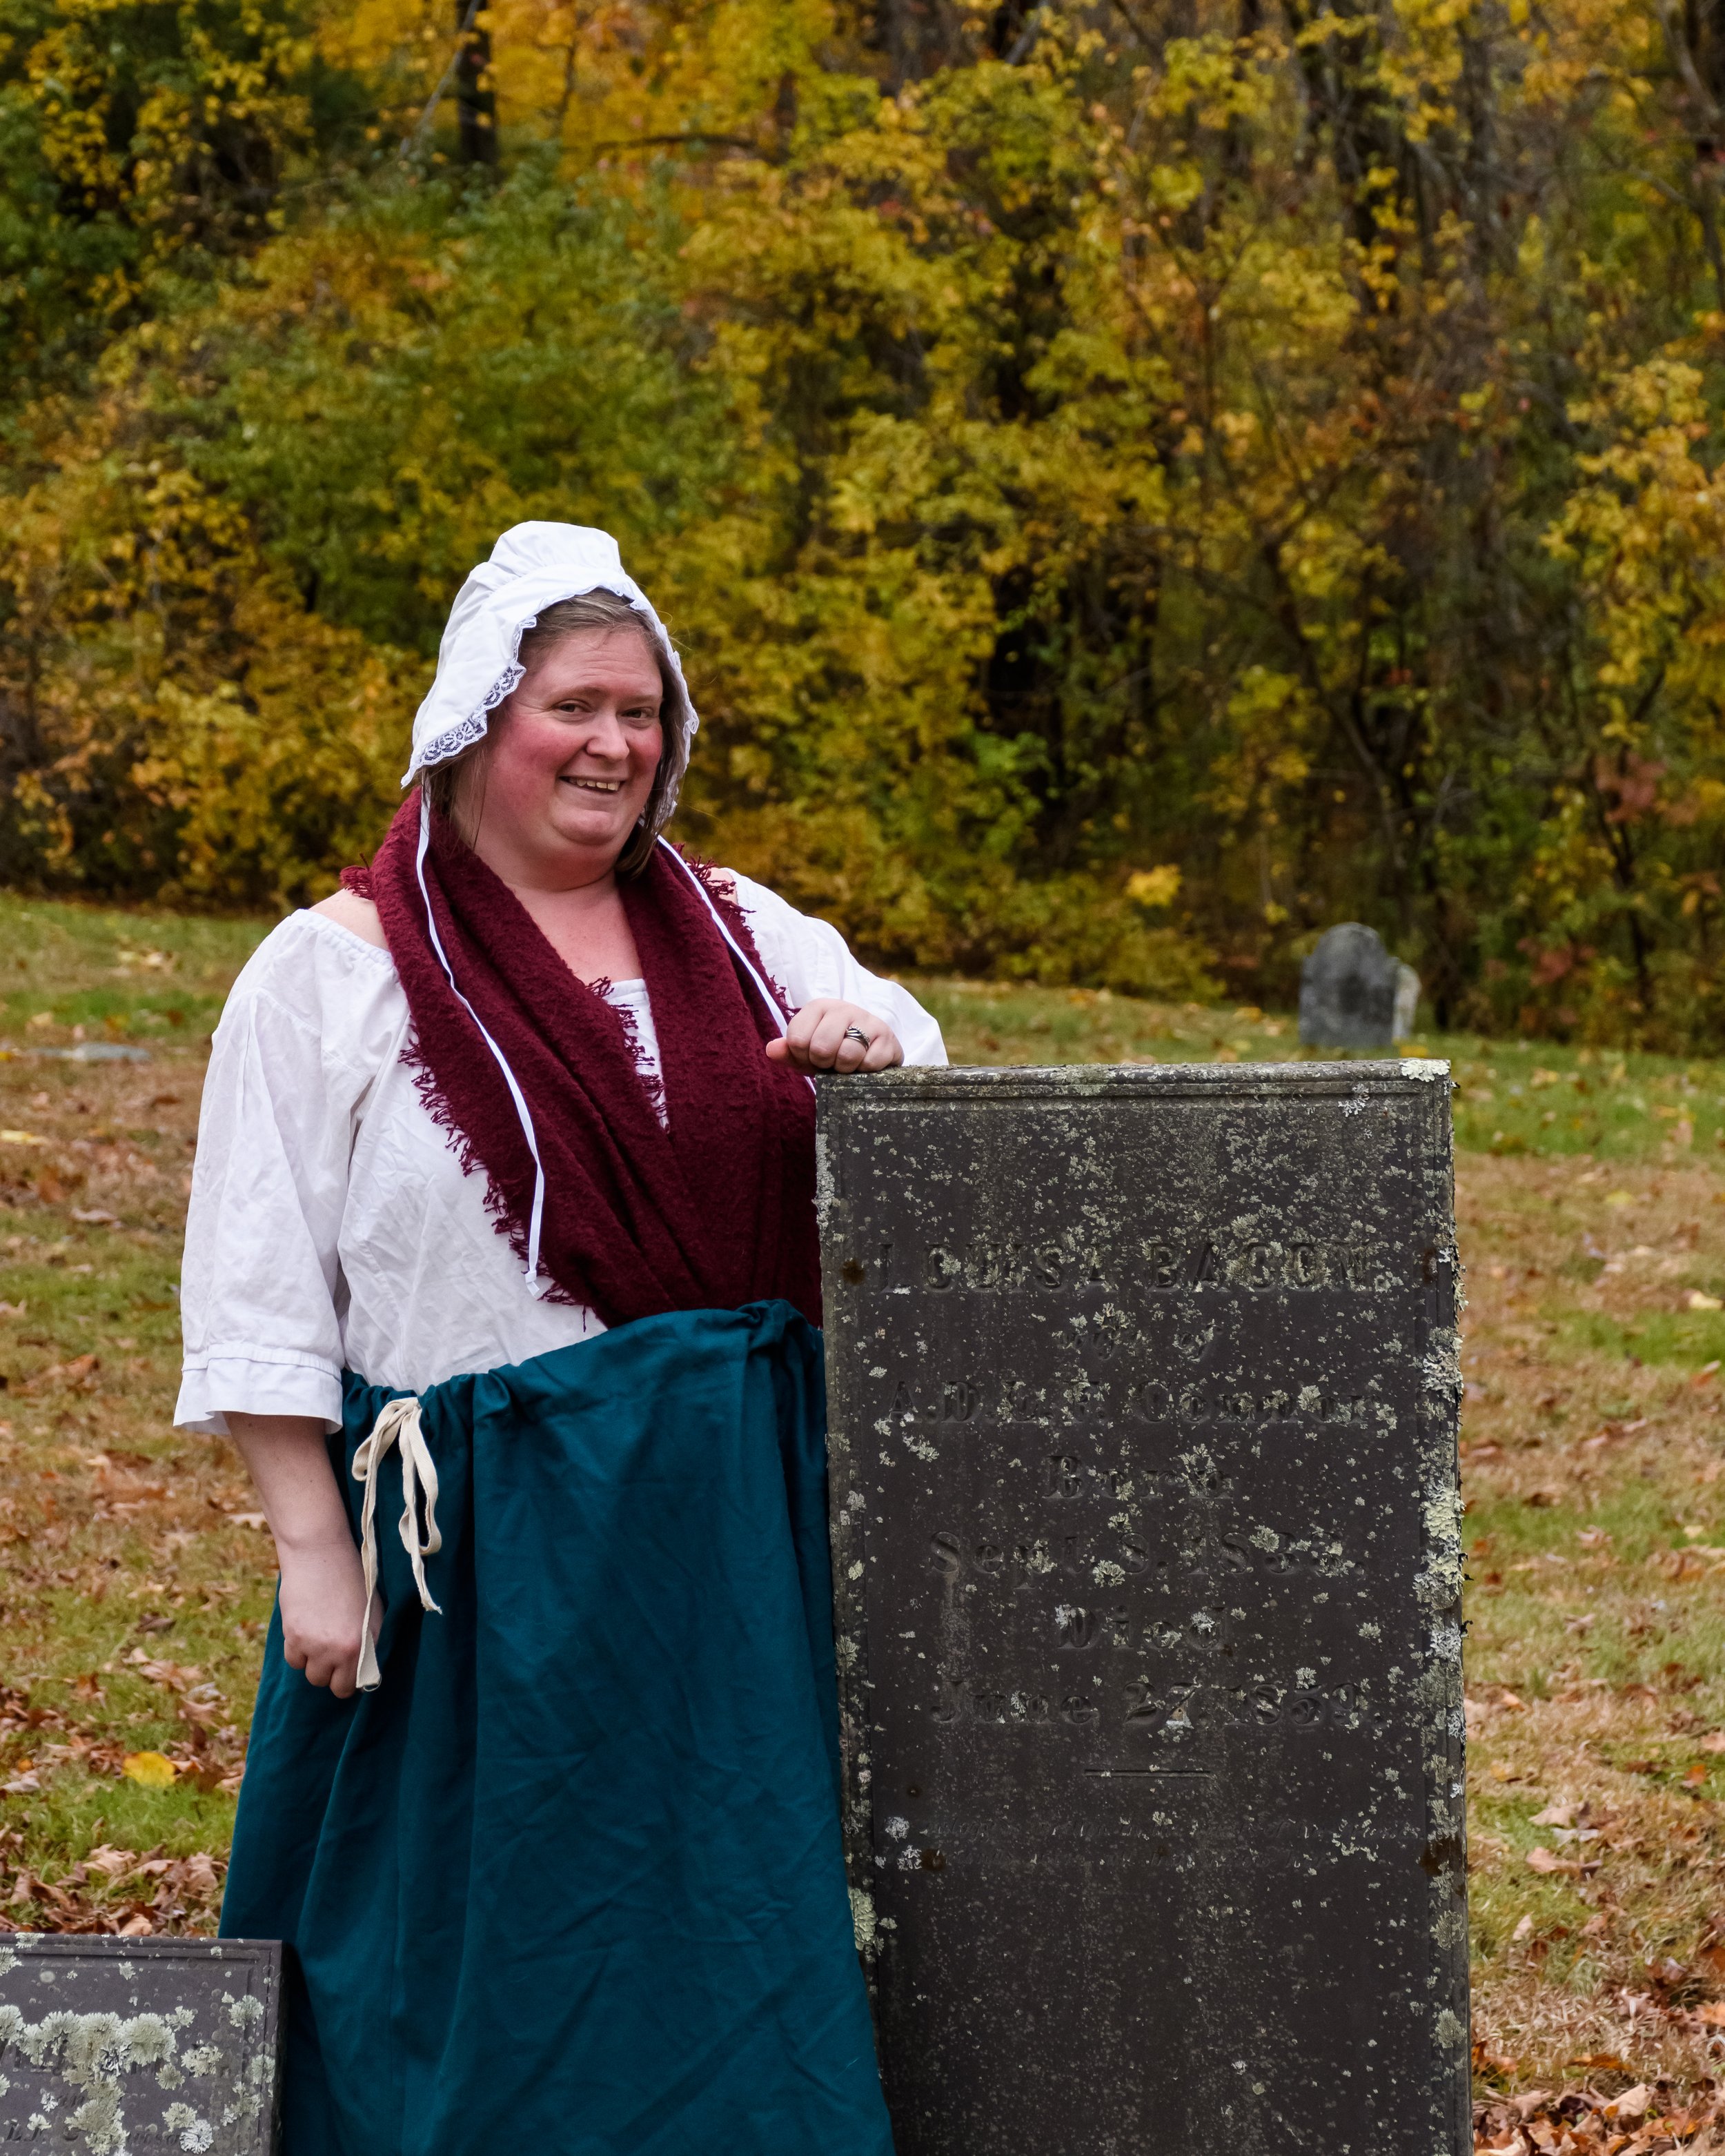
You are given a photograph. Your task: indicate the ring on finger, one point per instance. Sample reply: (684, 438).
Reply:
(856, 1033)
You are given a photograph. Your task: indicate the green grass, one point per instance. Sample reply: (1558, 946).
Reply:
(1662, 1337)
(99, 974)
(1512, 1096)
(125, 976)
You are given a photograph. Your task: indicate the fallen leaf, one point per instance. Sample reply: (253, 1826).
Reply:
(1634, 2102)
(1679, 2125)
(1555, 1816)
(1524, 1930)
(21, 1138)
(125, 1489)
(1696, 1775)
(111, 1862)
(1694, 1300)
(80, 1371)
(96, 1218)
(151, 1769)
(177, 1676)
(1713, 2014)
(1543, 1861)
(1600, 2062)
(1716, 1743)
(135, 1927)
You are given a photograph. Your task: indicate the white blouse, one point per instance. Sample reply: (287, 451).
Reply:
(332, 1227)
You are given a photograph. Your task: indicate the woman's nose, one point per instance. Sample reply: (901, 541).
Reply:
(605, 737)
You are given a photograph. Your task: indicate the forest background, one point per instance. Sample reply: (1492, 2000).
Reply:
(1134, 482)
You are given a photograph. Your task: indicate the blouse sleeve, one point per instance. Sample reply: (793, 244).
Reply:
(809, 958)
(299, 1043)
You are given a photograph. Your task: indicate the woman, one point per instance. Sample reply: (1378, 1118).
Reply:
(503, 1219)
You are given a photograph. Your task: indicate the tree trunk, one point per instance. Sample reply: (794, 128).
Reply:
(475, 101)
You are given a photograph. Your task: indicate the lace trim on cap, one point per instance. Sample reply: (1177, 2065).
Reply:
(466, 731)
(453, 740)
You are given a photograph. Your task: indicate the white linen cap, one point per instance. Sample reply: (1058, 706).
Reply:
(532, 566)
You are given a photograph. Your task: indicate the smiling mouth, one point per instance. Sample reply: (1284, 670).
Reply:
(595, 785)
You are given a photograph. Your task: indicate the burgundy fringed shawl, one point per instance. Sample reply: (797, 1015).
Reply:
(712, 1210)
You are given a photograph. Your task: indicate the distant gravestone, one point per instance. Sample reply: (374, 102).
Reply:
(140, 2047)
(1353, 995)
(1145, 1537)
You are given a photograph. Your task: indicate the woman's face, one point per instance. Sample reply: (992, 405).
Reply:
(570, 761)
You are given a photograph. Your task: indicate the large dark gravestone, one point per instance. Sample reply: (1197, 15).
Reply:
(139, 2047)
(1146, 1539)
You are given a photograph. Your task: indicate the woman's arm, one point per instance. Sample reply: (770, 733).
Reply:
(322, 1588)
(310, 1022)
(811, 962)
(311, 1019)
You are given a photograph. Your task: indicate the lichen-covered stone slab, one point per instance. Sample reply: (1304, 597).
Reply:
(139, 2047)
(1146, 1537)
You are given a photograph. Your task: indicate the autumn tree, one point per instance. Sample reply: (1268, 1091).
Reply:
(1134, 485)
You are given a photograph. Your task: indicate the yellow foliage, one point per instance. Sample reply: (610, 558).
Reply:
(1154, 887)
(189, 718)
(1287, 457)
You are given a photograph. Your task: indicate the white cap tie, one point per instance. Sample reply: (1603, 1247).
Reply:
(537, 1282)
(737, 951)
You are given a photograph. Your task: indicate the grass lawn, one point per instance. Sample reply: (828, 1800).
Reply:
(135, 1581)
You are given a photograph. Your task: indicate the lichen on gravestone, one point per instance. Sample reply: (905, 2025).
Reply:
(1144, 1397)
(151, 2044)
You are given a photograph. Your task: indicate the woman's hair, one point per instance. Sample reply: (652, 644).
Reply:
(448, 785)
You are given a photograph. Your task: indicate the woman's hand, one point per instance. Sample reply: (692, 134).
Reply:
(323, 1598)
(323, 1591)
(819, 1039)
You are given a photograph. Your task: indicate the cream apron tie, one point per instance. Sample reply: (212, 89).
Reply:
(397, 1425)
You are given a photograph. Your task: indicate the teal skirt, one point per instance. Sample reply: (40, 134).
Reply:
(569, 1881)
